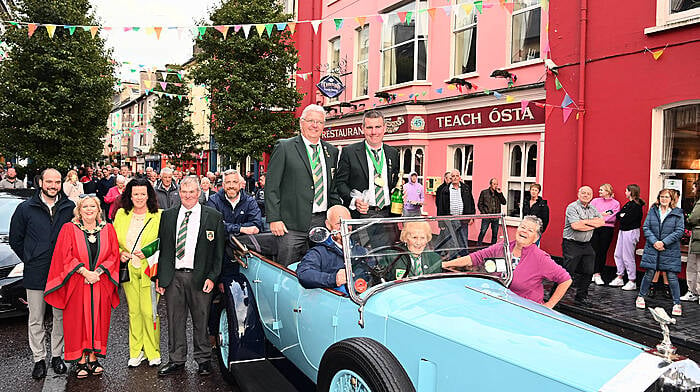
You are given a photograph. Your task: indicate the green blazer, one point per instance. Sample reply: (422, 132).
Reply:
(207, 255)
(289, 187)
(431, 262)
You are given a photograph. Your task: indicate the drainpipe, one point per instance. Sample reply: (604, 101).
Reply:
(581, 92)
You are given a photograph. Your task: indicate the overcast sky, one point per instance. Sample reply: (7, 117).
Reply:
(141, 48)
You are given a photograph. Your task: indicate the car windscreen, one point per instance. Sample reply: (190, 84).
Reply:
(396, 249)
(7, 208)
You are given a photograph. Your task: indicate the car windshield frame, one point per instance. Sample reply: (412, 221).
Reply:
(349, 227)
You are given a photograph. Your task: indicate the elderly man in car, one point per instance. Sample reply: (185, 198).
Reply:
(323, 265)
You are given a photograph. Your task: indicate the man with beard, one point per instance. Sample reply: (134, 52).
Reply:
(11, 181)
(34, 229)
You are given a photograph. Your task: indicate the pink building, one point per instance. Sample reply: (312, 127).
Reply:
(433, 60)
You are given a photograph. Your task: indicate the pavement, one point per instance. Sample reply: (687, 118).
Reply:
(616, 306)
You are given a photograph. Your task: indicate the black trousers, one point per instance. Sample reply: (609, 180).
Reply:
(292, 246)
(601, 240)
(182, 296)
(579, 258)
(485, 223)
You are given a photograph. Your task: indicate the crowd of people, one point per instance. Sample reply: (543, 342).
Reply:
(83, 235)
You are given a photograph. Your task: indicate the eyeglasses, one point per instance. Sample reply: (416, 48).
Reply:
(84, 195)
(315, 122)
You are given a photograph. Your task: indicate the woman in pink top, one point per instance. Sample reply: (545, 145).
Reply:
(114, 195)
(531, 264)
(608, 207)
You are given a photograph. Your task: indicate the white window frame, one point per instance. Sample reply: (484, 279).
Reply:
(665, 19)
(455, 31)
(509, 47)
(413, 149)
(332, 67)
(356, 87)
(466, 150)
(523, 179)
(416, 17)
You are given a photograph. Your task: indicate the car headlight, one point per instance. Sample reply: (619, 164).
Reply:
(683, 377)
(17, 272)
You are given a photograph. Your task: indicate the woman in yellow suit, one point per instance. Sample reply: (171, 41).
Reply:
(136, 224)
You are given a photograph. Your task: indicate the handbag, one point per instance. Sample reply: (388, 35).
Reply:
(124, 267)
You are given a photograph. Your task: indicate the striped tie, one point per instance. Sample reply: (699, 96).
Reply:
(318, 175)
(378, 190)
(181, 234)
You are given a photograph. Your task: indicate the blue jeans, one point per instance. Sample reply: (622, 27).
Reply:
(672, 283)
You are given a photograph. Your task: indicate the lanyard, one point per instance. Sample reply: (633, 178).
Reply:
(311, 160)
(378, 166)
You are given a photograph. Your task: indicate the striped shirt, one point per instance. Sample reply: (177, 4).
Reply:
(456, 203)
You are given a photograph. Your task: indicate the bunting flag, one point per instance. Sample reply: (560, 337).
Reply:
(557, 83)
(497, 94)
(51, 29)
(338, 23)
(468, 8)
(548, 111)
(479, 6)
(315, 24)
(158, 30)
(31, 28)
(409, 17)
(447, 9)
(246, 29)
(71, 29)
(567, 101)
(657, 54)
(439, 90)
(260, 28)
(524, 104)
(360, 20)
(202, 30)
(292, 26)
(566, 112)
(93, 31)
(268, 28)
(431, 12)
(280, 26)
(222, 29)
(509, 98)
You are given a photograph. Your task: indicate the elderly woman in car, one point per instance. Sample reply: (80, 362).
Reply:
(530, 264)
(416, 260)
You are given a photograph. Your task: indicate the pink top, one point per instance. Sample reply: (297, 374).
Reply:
(113, 198)
(535, 265)
(603, 205)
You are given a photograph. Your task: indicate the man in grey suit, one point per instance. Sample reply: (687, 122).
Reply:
(300, 186)
(192, 239)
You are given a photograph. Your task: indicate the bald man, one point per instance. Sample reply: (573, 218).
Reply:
(579, 256)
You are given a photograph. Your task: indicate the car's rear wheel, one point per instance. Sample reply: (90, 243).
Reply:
(222, 345)
(362, 365)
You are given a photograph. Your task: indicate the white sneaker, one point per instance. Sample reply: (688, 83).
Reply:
(689, 296)
(629, 286)
(135, 362)
(677, 311)
(598, 280)
(640, 304)
(154, 362)
(617, 282)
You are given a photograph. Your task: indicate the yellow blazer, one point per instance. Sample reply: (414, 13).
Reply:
(122, 221)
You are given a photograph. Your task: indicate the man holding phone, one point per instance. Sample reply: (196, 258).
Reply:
(490, 201)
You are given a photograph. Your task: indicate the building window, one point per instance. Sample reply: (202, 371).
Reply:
(412, 159)
(525, 37)
(405, 46)
(671, 12)
(334, 60)
(362, 62)
(463, 160)
(680, 159)
(465, 42)
(522, 173)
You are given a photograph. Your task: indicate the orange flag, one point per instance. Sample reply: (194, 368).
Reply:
(31, 28)
(158, 30)
(431, 12)
(93, 30)
(222, 29)
(360, 20)
(657, 54)
(292, 27)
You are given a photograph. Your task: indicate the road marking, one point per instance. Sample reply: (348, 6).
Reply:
(55, 382)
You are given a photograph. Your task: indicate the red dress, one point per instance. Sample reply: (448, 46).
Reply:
(86, 308)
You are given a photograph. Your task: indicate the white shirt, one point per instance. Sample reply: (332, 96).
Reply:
(234, 202)
(322, 157)
(371, 186)
(187, 260)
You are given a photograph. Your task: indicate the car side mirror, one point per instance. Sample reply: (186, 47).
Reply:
(319, 234)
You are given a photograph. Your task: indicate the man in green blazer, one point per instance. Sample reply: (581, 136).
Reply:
(192, 239)
(300, 185)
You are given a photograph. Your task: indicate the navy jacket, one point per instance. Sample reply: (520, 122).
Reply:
(33, 234)
(317, 269)
(245, 214)
(670, 232)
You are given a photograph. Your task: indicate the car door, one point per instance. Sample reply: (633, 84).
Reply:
(317, 323)
(266, 283)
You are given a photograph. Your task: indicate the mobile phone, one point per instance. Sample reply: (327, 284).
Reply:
(609, 211)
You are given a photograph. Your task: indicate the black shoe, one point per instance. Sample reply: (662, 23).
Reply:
(39, 371)
(59, 367)
(667, 292)
(204, 369)
(170, 368)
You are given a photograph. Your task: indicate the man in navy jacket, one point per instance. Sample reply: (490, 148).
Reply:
(240, 210)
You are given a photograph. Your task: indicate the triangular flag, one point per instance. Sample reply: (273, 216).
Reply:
(402, 16)
(431, 12)
(338, 23)
(280, 26)
(149, 30)
(557, 83)
(136, 28)
(438, 90)
(87, 28)
(447, 9)
(164, 75)
(523, 104)
(468, 8)
(260, 28)
(292, 26)
(71, 29)
(93, 30)
(202, 30)
(314, 24)
(451, 87)
(157, 30)
(497, 94)
(268, 28)
(546, 49)
(508, 7)
(51, 29)
(179, 75)
(148, 84)
(548, 111)
(567, 101)
(163, 85)
(566, 112)
(479, 6)
(409, 17)
(31, 28)
(509, 98)
(379, 18)
(222, 29)
(126, 28)
(246, 29)
(360, 20)
(657, 54)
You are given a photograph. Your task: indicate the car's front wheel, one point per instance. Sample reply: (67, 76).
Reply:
(362, 365)
(222, 345)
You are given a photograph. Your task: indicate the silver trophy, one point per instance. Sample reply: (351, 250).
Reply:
(664, 348)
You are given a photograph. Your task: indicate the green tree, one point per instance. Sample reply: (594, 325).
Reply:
(251, 97)
(55, 93)
(171, 119)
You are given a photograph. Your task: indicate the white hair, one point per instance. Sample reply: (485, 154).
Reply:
(535, 220)
(166, 170)
(228, 173)
(120, 178)
(190, 180)
(313, 108)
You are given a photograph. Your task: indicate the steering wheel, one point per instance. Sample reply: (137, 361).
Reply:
(378, 272)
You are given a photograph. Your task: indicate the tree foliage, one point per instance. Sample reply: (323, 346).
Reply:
(55, 93)
(175, 135)
(251, 97)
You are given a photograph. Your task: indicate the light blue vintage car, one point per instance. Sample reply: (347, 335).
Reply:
(398, 329)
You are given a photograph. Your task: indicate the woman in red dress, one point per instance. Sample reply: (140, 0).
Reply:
(83, 281)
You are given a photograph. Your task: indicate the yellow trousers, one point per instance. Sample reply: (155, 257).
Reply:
(143, 336)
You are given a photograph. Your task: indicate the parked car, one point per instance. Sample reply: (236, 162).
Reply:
(443, 331)
(13, 297)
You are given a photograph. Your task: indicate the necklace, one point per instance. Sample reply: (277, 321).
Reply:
(92, 238)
